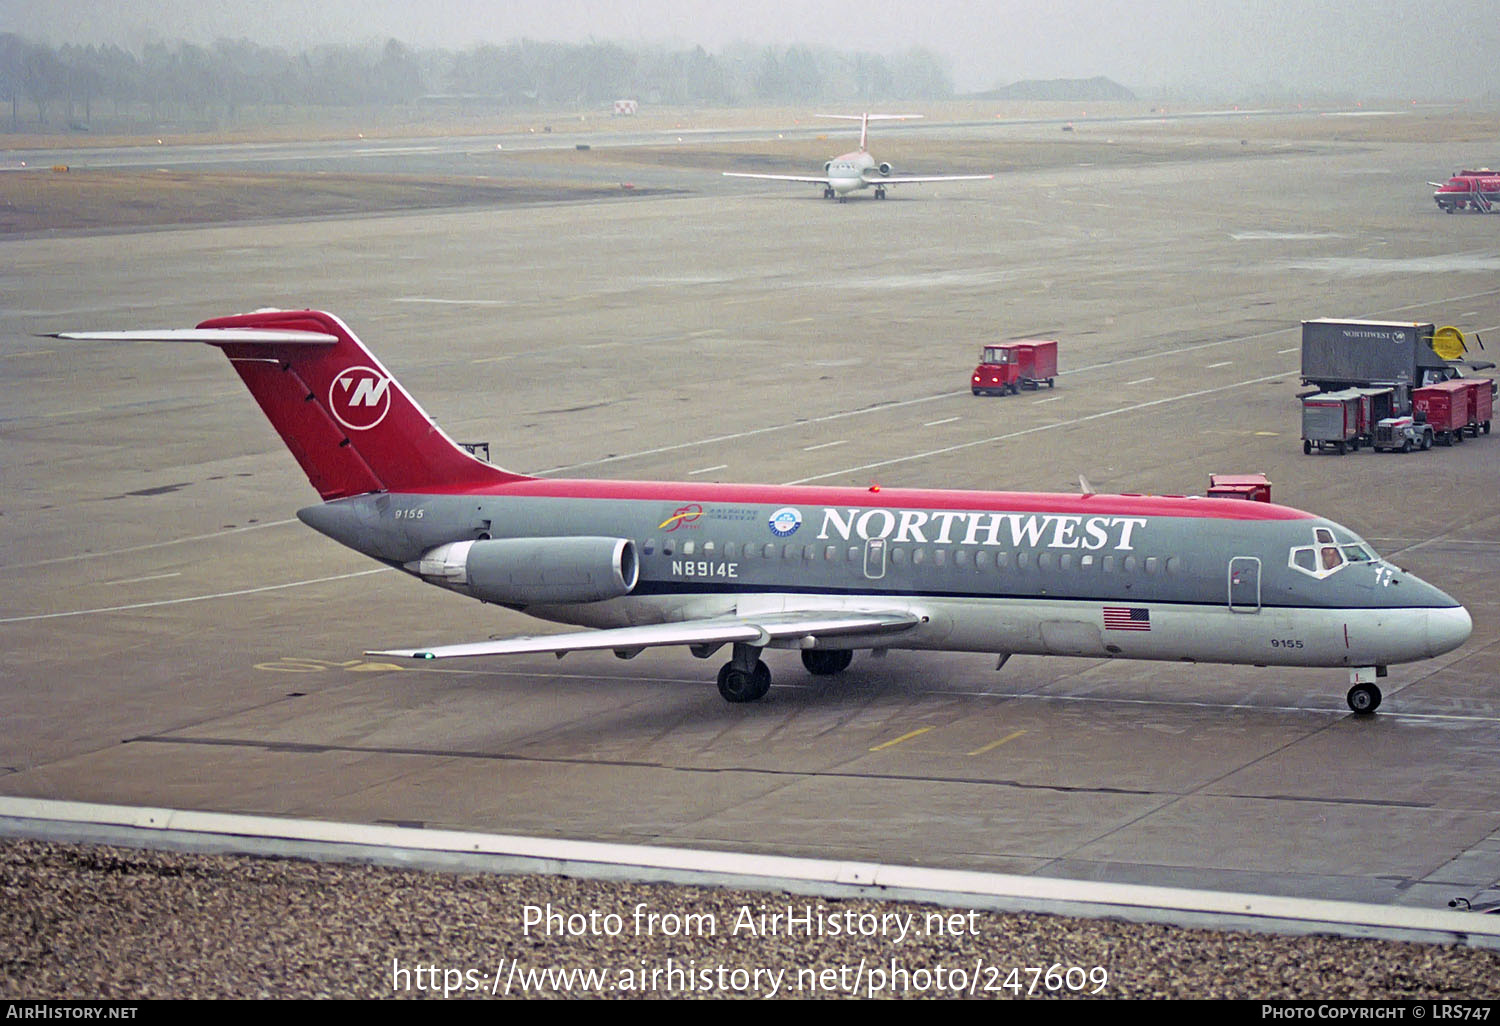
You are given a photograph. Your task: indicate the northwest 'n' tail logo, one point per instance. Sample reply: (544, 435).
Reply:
(360, 397)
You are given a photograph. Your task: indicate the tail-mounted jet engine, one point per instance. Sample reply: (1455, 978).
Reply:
(531, 571)
(885, 169)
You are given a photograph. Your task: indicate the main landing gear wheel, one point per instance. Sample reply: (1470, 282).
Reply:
(823, 662)
(1364, 698)
(736, 685)
(879, 192)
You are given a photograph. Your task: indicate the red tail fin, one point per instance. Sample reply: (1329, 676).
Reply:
(350, 424)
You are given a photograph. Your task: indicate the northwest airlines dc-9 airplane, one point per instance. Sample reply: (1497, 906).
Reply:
(851, 172)
(820, 570)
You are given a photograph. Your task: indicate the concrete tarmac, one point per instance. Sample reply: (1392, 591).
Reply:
(170, 635)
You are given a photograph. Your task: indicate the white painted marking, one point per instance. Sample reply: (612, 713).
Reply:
(935, 423)
(138, 580)
(144, 548)
(1224, 363)
(1139, 381)
(452, 302)
(953, 887)
(1108, 367)
(825, 445)
(1050, 399)
(192, 598)
(1283, 352)
(707, 470)
(928, 454)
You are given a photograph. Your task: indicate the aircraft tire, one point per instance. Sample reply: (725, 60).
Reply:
(762, 679)
(738, 686)
(823, 662)
(1364, 699)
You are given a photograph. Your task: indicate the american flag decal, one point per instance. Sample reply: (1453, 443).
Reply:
(1127, 618)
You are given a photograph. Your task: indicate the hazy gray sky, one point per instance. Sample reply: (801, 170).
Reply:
(1377, 48)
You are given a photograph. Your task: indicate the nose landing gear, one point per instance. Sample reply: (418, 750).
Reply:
(1364, 696)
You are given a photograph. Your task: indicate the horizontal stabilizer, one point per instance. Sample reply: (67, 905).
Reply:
(211, 336)
(348, 422)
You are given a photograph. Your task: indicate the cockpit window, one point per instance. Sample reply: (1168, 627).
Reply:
(1316, 560)
(1327, 554)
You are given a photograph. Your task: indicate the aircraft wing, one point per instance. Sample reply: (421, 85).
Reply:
(879, 179)
(778, 178)
(709, 633)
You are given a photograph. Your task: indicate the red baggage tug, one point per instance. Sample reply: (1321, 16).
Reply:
(1012, 366)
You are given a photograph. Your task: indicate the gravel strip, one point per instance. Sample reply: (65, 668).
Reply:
(98, 922)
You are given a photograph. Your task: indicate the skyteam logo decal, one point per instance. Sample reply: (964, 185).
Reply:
(785, 521)
(360, 397)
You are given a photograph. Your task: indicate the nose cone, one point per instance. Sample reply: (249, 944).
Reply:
(1447, 629)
